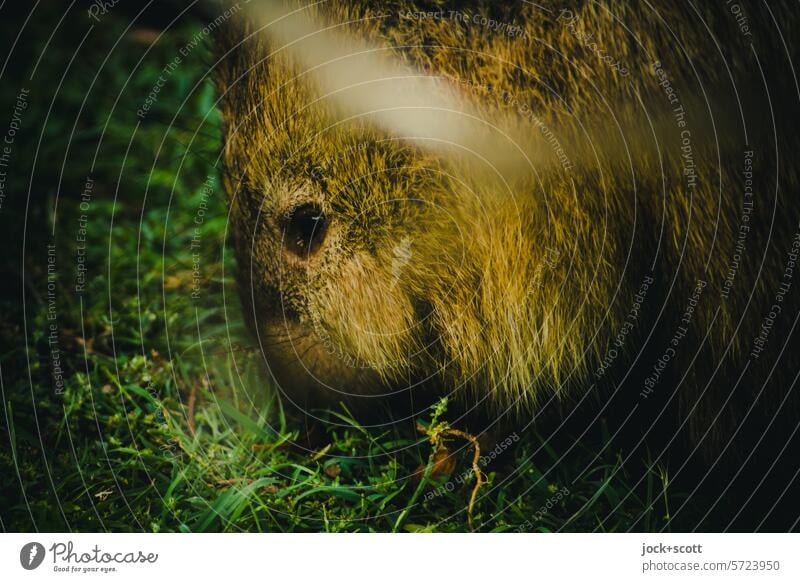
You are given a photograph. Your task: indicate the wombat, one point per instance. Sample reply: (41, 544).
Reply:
(521, 206)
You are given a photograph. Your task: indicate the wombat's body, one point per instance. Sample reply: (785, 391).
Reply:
(646, 251)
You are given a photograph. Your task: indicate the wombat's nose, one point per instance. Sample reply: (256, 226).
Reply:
(304, 231)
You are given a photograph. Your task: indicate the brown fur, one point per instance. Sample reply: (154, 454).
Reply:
(439, 273)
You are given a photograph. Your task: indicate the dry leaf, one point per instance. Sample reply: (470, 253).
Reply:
(444, 463)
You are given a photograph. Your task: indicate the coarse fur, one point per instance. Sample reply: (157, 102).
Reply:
(512, 290)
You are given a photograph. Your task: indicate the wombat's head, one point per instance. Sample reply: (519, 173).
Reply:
(369, 261)
(342, 234)
(333, 227)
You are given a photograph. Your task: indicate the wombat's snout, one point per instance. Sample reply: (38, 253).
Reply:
(304, 228)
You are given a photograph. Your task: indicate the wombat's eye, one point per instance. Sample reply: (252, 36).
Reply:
(304, 230)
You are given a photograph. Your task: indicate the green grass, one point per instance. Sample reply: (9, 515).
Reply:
(166, 421)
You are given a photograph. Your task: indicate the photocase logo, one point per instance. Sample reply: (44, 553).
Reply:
(31, 555)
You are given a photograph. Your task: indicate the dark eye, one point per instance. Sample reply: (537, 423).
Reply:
(304, 230)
